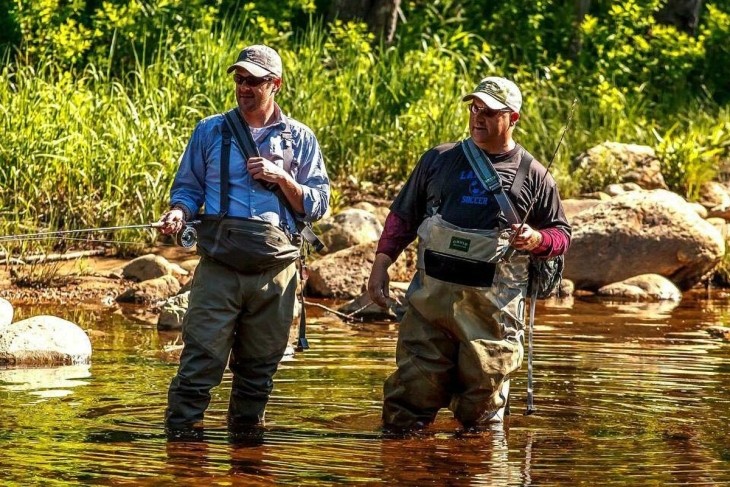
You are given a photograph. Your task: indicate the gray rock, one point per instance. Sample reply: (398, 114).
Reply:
(43, 340)
(349, 228)
(173, 311)
(151, 266)
(642, 232)
(6, 312)
(151, 291)
(646, 287)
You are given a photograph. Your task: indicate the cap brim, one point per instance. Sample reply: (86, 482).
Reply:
(254, 69)
(487, 99)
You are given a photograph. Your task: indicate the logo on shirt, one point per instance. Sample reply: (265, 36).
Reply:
(477, 195)
(460, 244)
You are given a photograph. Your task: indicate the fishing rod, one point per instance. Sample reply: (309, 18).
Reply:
(186, 238)
(547, 169)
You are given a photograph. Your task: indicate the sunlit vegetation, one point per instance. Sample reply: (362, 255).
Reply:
(97, 100)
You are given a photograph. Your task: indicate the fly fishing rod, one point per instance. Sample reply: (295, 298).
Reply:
(186, 238)
(547, 168)
(530, 390)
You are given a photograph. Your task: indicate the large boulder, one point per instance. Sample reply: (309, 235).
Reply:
(6, 312)
(627, 163)
(43, 340)
(151, 266)
(151, 291)
(344, 274)
(348, 228)
(642, 232)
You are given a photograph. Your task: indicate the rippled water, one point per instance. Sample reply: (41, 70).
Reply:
(625, 395)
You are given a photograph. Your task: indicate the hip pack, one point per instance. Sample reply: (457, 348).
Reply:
(246, 245)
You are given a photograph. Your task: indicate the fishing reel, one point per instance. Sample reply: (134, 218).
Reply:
(187, 237)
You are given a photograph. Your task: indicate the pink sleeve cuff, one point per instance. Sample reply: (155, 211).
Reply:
(554, 242)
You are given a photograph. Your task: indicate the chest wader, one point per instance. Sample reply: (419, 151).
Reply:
(462, 335)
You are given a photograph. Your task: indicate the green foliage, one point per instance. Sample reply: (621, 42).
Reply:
(691, 155)
(100, 97)
(716, 35)
(628, 55)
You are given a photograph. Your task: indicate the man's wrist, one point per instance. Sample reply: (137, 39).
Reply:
(187, 214)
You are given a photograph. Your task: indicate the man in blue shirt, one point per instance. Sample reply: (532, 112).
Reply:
(235, 311)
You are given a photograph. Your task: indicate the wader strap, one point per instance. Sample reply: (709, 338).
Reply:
(487, 175)
(302, 343)
(245, 140)
(224, 170)
(521, 175)
(288, 143)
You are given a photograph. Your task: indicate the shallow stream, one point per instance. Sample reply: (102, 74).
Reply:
(626, 394)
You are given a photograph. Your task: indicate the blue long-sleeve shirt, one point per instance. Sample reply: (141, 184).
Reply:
(197, 182)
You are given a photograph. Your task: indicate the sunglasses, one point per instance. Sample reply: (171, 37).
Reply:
(486, 111)
(250, 80)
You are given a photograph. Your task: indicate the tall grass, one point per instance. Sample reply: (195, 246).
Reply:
(86, 150)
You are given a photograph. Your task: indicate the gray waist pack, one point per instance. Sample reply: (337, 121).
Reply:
(245, 245)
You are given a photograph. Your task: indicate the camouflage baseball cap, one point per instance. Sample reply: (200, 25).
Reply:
(497, 93)
(258, 60)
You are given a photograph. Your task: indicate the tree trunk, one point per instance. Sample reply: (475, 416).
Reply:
(581, 9)
(683, 14)
(381, 16)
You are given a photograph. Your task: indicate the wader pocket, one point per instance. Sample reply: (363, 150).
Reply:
(246, 245)
(458, 270)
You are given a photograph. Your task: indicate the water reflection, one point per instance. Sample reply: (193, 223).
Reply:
(626, 394)
(45, 382)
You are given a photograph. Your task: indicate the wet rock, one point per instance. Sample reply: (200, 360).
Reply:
(647, 287)
(43, 340)
(721, 332)
(363, 307)
(173, 311)
(344, 274)
(6, 312)
(151, 266)
(151, 291)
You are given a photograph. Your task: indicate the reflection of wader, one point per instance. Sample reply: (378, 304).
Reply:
(463, 332)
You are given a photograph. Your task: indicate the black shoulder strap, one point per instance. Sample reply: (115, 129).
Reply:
(224, 170)
(521, 174)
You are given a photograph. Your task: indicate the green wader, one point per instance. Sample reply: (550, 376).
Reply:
(245, 316)
(457, 343)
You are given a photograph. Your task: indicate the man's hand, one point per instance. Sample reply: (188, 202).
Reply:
(172, 222)
(527, 239)
(379, 282)
(263, 169)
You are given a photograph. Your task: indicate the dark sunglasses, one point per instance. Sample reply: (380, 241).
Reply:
(250, 80)
(486, 111)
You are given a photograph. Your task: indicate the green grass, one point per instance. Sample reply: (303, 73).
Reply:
(85, 150)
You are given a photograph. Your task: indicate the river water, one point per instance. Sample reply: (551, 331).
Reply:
(626, 394)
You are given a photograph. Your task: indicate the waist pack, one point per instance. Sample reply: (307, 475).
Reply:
(545, 276)
(246, 245)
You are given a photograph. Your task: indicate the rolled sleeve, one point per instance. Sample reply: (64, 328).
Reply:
(312, 176)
